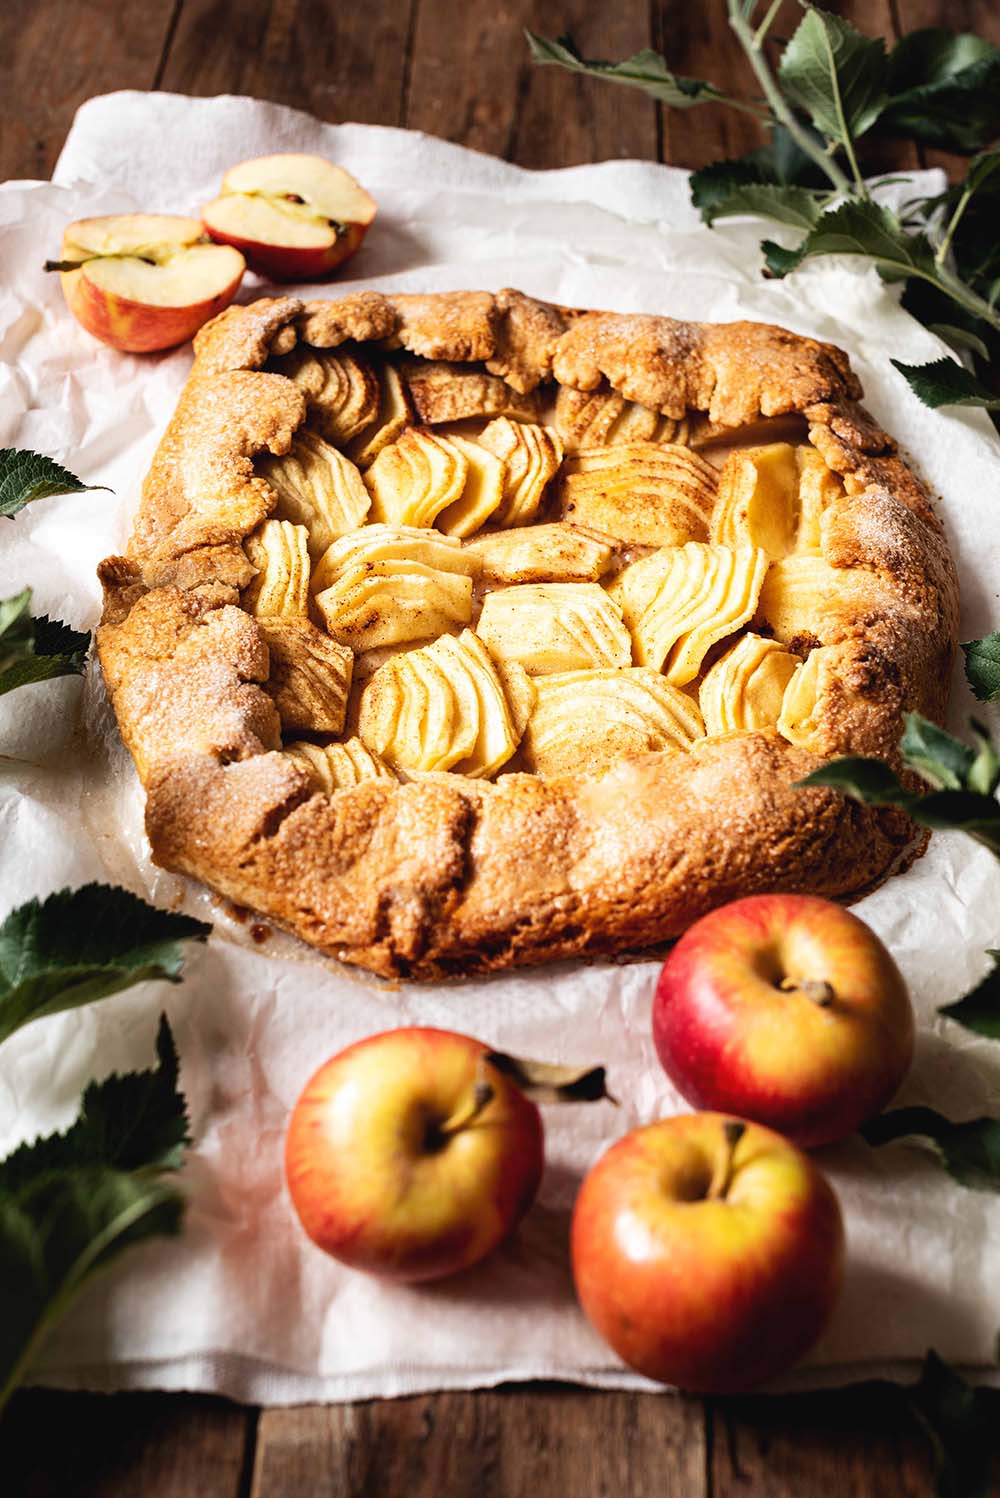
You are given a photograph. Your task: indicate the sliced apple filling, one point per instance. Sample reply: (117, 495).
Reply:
(442, 707)
(803, 597)
(481, 495)
(342, 391)
(415, 478)
(640, 492)
(800, 721)
(548, 627)
(443, 392)
(531, 456)
(586, 720)
(395, 543)
(394, 413)
(682, 600)
(744, 690)
(338, 767)
(541, 553)
(773, 497)
(317, 487)
(280, 552)
(310, 675)
(374, 604)
(598, 418)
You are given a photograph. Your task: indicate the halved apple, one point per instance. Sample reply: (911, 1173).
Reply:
(146, 281)
(295, 218)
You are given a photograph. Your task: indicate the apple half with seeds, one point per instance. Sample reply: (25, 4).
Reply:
(146, 281)
(295, 218)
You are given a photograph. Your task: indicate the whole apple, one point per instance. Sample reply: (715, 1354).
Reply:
(707, 1252)
(788, 1010)
(409, 1155)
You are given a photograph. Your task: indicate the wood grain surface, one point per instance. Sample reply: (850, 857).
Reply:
(456, 68)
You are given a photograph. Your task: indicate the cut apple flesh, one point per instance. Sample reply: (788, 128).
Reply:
(183, 278)
(301, 201)
(146, 281)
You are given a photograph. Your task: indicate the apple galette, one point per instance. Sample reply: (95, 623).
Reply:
(459, 631)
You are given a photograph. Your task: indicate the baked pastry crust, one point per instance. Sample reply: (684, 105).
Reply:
(445, 874)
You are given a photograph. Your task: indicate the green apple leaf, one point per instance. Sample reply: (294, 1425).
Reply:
(835, 74)
(80, 945)
(969, 778)
(715, 199)
(979, 1009)
(944, 382)
(960, 1423)
(982, 666)
(71, 1202)
(936, 754)
(646, 70)
(970, 1152)
(36, 649)
(859, 228)
(944, 89)
(25, 476)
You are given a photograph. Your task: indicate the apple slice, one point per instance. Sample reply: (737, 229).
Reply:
(146, 281)
(295, 218)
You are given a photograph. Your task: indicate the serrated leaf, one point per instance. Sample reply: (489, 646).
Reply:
(970, 1152)
(979, 1009)
(80, 945)
(959, 338)
(944, 382)
(25, 476)
(717, 196)
(868, 780)
(645, 70)
(982, 666)
(36, 649)
(944, 89)
(71, 1202)
(936, 754)
(960, 1424)
(835, 74)
(858, 228)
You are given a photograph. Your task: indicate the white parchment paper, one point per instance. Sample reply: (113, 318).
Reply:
(243, 1304)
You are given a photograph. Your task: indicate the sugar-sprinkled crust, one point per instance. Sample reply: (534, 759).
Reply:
(450, 875)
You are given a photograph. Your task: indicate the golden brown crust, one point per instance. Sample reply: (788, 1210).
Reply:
(449, 875)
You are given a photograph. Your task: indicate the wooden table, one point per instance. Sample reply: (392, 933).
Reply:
(456, 68)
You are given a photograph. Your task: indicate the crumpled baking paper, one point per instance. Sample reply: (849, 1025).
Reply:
(243, 1304)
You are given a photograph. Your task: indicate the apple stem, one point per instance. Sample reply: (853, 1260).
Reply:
(482, 1095)
(732, 1132)
(817, 989)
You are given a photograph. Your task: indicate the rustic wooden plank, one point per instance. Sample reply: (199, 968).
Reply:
(856, 1443)
(337, 61)
(96, 1446)
(698, 42)
(494, 1444)
(57, 54)
(472, 81)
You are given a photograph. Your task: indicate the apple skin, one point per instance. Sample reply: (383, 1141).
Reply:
(293, 262)
(713, 1296)
(366, 1186)
(137, 327)
(729, 1038)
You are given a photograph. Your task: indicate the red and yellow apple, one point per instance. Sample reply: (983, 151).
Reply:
(408, 1155)
(146, 281)
(786, 1009)
(295, 218)
(707, 1252)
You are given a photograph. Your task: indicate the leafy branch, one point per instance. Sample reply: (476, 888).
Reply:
(830, 88)
(36, 649)
(71, 1202)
